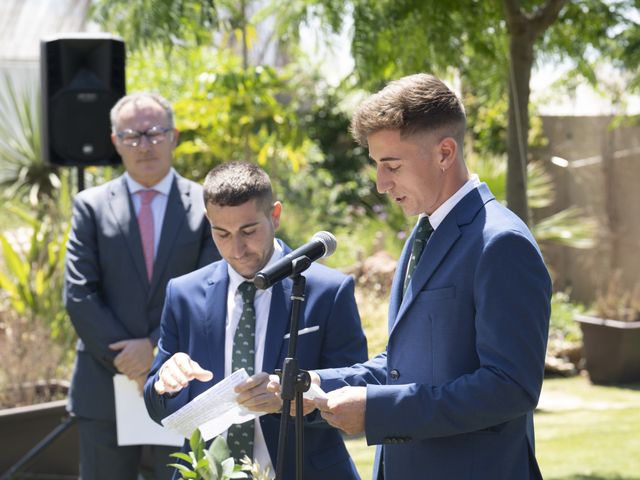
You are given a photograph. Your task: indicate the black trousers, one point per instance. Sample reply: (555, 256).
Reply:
(102, 459)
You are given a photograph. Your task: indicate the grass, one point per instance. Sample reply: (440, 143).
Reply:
(583, 432)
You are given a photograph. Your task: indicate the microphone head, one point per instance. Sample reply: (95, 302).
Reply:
(328, 240)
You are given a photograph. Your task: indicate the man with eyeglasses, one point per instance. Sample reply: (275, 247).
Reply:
(129, 237)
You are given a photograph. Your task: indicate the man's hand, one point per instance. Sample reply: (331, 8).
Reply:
(260, 393)
(344, 409)
(135, 357)
(177, 372)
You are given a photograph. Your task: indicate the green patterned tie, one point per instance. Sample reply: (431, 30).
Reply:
(423, 232)
(240, 437)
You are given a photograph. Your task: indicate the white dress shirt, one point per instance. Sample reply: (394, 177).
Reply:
(443, 210)
(158, 204)
(262, 305)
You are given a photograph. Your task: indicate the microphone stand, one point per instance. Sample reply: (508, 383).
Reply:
(293, 381)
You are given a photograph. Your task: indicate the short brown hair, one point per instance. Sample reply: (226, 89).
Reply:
(411, 104)
(235, 183)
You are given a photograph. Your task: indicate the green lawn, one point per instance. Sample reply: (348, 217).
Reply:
(583, 432)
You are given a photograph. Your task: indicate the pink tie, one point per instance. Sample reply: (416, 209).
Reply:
(145, 222)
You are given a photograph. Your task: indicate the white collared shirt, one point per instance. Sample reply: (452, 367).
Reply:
(262, 305)
(158, 204)
(436, 218)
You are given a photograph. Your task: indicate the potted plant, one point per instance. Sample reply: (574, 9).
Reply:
(214, 462)
(611, 335)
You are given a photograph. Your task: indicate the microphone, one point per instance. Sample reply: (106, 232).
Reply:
(322, 244)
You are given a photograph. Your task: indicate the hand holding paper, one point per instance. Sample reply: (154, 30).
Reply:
(260, 392)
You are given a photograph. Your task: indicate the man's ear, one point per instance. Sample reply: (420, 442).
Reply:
(175, 134)
(114, 140)
(449, 151)
(275, 214)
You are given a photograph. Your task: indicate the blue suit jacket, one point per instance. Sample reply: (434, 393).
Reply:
(107, 293)
(454, 394)
(193, 322)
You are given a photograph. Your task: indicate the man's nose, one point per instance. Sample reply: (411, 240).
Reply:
(238, 248)
(383, 184)
(145, 144)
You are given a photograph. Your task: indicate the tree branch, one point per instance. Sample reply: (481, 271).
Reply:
(544, 16)
(535, 23)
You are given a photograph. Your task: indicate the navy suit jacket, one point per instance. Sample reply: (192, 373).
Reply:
(193, 322)
(107, 293)
(454, 393)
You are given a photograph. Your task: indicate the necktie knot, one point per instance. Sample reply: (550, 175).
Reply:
(146, 196)
(423, 231)
(248, 291)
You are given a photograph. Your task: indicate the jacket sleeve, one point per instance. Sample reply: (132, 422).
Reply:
(94, 322)
(161, 406)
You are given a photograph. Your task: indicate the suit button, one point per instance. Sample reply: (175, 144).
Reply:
(394, 374)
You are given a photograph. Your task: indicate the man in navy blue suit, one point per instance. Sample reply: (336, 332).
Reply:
(454, 393)
(205, 310)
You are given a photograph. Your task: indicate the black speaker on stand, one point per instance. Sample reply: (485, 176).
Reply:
(82, 77)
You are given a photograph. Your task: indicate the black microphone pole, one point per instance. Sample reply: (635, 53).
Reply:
(293, 381)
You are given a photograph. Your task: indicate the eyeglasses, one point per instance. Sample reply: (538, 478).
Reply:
(132, 138)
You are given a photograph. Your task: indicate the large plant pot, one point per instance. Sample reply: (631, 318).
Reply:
(611, 349)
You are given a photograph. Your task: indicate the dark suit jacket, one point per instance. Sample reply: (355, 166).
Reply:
(107, 293)
(454, 394)
(194, 320)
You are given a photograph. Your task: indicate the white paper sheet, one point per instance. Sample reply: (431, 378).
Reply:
(213, 411)
(216, 409)
(314, 392)
(134, 426)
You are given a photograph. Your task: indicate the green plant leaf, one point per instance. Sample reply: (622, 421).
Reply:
(181, 456)
(14, 264)
(186, 472)
(196, 443)
(219, 450)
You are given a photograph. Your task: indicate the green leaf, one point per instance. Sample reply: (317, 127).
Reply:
(18, 268)
(181, 456)
(186, 472)
(196, 443)
(219, 450)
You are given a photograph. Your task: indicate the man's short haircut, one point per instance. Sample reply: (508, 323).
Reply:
(415, 103)
(137, 97)
(235, 183)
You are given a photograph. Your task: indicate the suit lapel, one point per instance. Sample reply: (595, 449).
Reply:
(278, 325)
(439, 245)
(445, 236)
(398, 280)
(178, 206)
(122, 211)
(279, 319)
(216, 316)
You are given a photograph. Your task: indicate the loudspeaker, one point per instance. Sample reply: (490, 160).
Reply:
(82, 77)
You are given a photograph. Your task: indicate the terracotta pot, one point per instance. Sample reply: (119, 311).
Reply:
(611, 349)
